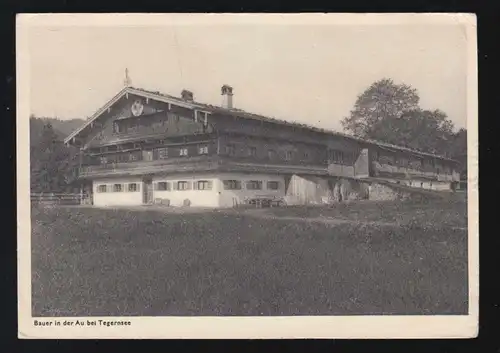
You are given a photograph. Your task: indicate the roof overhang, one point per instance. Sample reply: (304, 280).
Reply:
(213, 109)
(137, 92)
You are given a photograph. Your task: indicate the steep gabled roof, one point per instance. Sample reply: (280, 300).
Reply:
(162, 97)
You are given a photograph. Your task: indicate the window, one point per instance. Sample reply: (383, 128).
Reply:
(123, 158)
(403, 162)
(336, 156)
(133, 187)
(230, 150)
(101, 188)
(252, 151)
(117, 188)
(162, 153)
(163, 186)
(133, 157)
(273, 185)
(385, 159)
(305, 155)
(133, 127)
(271, 154)
(254, 185)
(183, 152)
(183, 185)
(289, 155)
(173, 117)
(157, 124)
(203, 150)
(203, 185)
(104, 160)
(232, 185)
(415, 164)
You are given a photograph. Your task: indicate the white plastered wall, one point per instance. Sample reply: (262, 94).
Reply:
(197, 198)
(229, 198)
(123, 198)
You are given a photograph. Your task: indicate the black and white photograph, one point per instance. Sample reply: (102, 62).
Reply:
(247, 175)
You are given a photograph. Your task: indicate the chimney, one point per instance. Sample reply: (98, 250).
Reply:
(227, 96)
(187, 95)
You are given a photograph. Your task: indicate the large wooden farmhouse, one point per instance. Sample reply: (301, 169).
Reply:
(144, 147)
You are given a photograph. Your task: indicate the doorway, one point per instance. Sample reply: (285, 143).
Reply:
(147, 191)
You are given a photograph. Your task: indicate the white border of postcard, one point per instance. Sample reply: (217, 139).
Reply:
(465, 326)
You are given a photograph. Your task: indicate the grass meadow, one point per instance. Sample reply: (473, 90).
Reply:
(108, 262)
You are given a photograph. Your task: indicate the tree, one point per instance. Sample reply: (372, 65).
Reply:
(424, 130)
(51, 162)
(390, 112)
(458, 151)
(377, 109)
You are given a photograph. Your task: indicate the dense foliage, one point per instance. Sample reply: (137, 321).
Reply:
(51, 162)
(390, 112)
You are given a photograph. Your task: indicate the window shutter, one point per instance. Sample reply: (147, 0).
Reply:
(155, 186)
(175, 185)
(210, 182)
(195, 185)
(188, 186)
(168, 186)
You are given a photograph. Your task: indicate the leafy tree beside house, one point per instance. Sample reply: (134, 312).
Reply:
(51, 162)
(390, 112)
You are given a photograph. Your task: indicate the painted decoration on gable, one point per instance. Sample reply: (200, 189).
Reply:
(137, 108)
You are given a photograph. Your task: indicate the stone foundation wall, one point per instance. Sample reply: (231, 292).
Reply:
(347, 190)
(381, 192)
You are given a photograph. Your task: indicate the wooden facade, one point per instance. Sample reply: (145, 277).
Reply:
(143, 134)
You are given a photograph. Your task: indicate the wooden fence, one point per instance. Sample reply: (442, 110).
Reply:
(58, 199)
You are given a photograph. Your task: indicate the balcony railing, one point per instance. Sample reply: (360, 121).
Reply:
(144, 166)
(198, 163)
(341, 170)
(409, 172)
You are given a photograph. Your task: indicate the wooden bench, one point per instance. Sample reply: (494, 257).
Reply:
(262, 201)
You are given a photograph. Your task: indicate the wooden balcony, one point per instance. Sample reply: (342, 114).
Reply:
(341, 170)
(199, 163)
(382, 169)
(178, 164)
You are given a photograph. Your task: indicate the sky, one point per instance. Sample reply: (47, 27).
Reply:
(309, 73)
